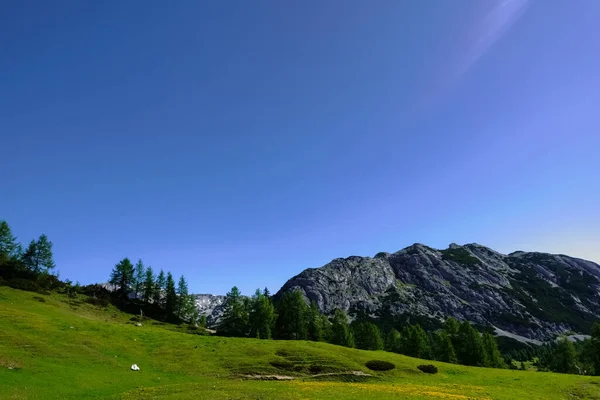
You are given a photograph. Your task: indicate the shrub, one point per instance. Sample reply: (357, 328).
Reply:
(379, 365)
(40, 299)
(428, 368)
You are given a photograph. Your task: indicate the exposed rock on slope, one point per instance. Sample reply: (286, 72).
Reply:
(211, 306)
(534, 295)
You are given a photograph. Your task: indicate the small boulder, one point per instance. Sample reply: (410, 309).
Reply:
(134, 367)
(138, 324)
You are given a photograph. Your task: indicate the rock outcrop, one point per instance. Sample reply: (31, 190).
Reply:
(530, 295)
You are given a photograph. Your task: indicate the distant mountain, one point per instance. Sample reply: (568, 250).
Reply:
(211, 306)
(530, 296)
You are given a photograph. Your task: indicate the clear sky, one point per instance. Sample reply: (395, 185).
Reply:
(241, 142)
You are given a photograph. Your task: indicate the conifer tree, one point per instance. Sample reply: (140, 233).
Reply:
(262, 315)
(292, 315)
(443, 348)
(470, 350)
(159, 289)
(565, 357)
(8, 243)
(367, 336)
(235, 315)
(148, 285)
(170, 296)
(138, 278)
(182, 306)
(393, 341)
(122, 276)
(340, 330)
(315, 323)
(493, 357)
(38, 256)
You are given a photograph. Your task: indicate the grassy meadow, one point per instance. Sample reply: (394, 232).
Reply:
(56, 347)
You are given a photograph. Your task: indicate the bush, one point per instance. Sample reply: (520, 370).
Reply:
(428, 368)
(379, 365)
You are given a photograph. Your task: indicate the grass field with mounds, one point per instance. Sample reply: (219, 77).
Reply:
(56, 347)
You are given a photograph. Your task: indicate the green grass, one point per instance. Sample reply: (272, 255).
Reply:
(61, 348)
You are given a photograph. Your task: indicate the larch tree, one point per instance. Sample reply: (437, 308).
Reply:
(38, 256)
(182, 307)
(235, 315)
(170, 295)
(9, 246)
(149, 285)
(122, 277)
(292, 316)
(470, 350)
(393, 341)
(159, 288)
(138, 277)
(340, 330)
(367, 336)
(261, 316)
(493, 357)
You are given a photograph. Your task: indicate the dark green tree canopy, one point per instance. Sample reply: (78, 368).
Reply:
(235, 314)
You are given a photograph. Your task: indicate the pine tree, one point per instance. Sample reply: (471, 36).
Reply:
(235, 315)
(315, 323)
(38, 257)
(565, 357)
(8, 243)
(415, 342)
(159, 288)
(367, 336)
(149, 285)
(266, 292)
(393, 341)
(122, 276)
(443, 349)
(493, 357)
(470, 350)
(262, 316)
(292, 313)
(340, 330)
(138, 278)
(182, 304)
(170, 296)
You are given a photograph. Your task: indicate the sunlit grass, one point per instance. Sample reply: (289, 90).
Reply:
(56, 347)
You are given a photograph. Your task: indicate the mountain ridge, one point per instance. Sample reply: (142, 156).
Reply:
(530, 294)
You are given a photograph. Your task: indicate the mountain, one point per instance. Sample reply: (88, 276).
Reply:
(210, 305)
(531, 296)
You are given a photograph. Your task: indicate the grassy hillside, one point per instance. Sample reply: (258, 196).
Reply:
(52, 346)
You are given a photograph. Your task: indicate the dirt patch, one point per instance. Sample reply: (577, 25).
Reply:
(270, 377)
(289, 378)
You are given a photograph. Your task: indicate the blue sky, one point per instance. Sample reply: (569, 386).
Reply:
(239, 143)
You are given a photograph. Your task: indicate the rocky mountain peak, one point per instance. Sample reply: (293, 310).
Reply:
(534, 295)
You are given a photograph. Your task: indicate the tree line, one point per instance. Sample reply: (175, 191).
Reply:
(291, 318)
(138, 282)
(562, 356)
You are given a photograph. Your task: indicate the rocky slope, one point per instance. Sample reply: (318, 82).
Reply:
(211, 306)
(532, 295)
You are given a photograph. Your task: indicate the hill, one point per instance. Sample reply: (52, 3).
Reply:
(55, 346)
(534, 296)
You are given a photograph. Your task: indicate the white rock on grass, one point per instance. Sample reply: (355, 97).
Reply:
(134, 367)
